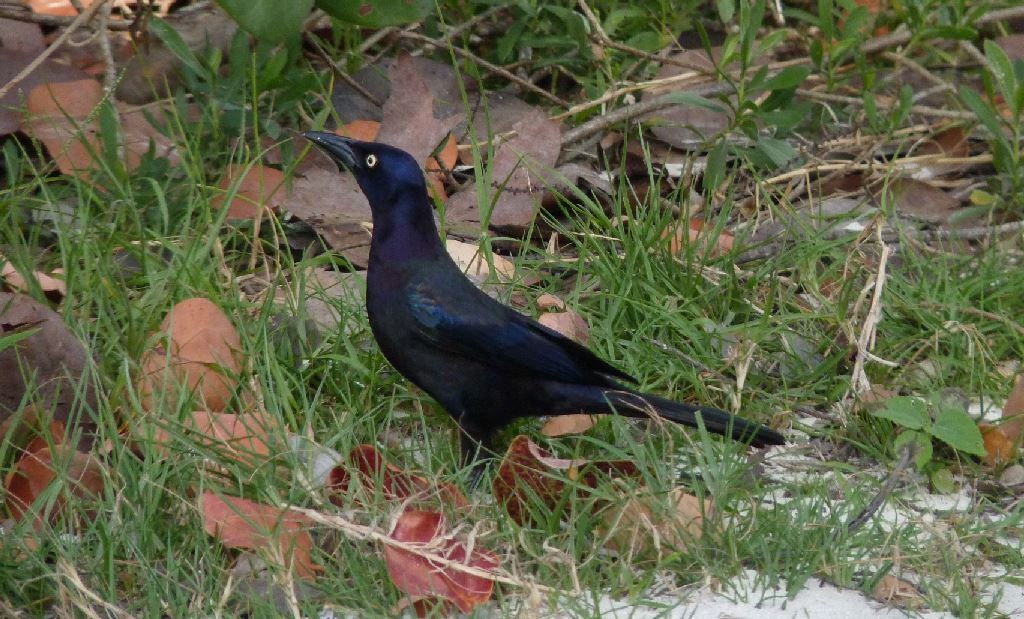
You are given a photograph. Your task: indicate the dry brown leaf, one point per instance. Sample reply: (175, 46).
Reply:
(699, 232)
(58, 116)
(568, 323)
(19, 36)
(240, 523)
(203, 354)
(394, 484)
(50, 71)
(422, 578)
(53, 288)
(520, 170)
(245, 438)
(897, 592)
(36, 470)
(529, 474)
(475, 265)
(645, 524)
(564, 425)
(45, 369)
(259, 189)
(920, 200)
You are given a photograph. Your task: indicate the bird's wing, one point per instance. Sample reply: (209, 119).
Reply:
(491, 333)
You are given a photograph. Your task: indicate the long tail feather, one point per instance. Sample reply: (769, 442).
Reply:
(632, 404)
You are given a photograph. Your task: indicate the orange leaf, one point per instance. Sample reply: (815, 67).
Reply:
(58, 117)
(36, 470)
(563, 425)
(697, 231)
(55, 289)
(1013, 412)
(204, 354)
(441, 164)
(243, 438)
(240, 523)
(420, 577)
(364, 130)
(257, 189)
(568, 323)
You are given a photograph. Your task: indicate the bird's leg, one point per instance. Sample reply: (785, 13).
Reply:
(474, 451)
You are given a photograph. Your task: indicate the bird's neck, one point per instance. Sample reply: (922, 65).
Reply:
(406, 231)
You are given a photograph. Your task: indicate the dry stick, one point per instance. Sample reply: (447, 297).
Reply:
(866, 341)
(851, 166)
(46, 53)
(919, 69)
(601, 37)
(489, 67)
(339, 72)
(364, 532)
(924, 110)
(876, 502)
(890, 235)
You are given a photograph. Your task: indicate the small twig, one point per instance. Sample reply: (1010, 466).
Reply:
(919, 69)
(883, 493)
(339, 72)
(487, 66)
(109, 66)
(924, 110)
(888, 236)
(362, 532)
(24, 14)
(859, 382)
(894, 164)
(77, 23)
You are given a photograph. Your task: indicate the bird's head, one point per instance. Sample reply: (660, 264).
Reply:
(383, 172)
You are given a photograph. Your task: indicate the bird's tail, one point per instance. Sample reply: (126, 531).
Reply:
(644, 405)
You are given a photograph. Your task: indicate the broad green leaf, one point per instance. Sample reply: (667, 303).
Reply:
(714, 170)
(377, 13)
(985, 113)
(942, 480)
(726, 9)
(1002, 70)
(790, 77)
(176, 45)
(269, 20)
(906, 411)
(924, 450)
(779, 151)
(954, 427)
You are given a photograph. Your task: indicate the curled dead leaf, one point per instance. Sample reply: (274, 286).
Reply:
(529, 475)
(645, 524)
(394, 483)
(421, 577)
(202, 354)
(476, 265)
(697, 231)
(897, 592)
(568, 323)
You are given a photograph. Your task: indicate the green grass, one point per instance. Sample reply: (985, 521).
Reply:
(133, 245)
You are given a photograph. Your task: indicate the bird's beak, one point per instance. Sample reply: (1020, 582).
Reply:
(336, 147)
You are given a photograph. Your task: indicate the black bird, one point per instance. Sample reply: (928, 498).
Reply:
(485, 363)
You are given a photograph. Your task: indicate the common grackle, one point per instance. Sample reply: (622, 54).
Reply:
(485, 363)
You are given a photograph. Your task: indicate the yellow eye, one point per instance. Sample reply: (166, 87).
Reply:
(371, 161)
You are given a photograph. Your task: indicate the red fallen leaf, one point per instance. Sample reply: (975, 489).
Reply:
(420, 577)
(526, 475)
(395, 484)
(1002, 442)
(36, 470)
(240, 523)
